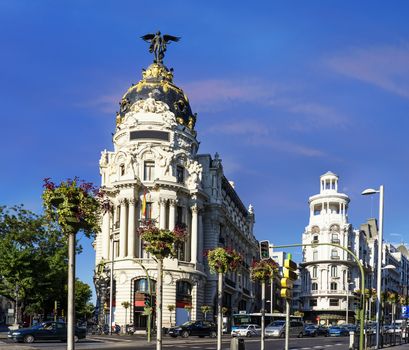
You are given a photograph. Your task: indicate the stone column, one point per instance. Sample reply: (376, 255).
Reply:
(122, 229)
(194, 234)
(162, 213)
(201, 238)
(172, 214)
(131, 228)
(106, 219)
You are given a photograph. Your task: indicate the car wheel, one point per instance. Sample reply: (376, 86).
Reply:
(185, 334)
(300, 335)
(213, 334)
(28, 338)
(76, 338)
(248, 334)
(282, 335)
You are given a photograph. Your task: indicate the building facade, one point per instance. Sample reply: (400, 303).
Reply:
(329, 275)
(155, 172)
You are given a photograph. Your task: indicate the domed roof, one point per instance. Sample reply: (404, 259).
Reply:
(157, 81)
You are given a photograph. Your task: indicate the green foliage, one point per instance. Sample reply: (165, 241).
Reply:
(263, 270)
(83, 295)
(32, 259)
(205, 310)
(222, 260)
(74, 205)
(171, 308)
(161, 243)
(126, 304)
(224, 310)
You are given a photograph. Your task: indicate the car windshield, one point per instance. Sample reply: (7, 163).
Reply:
(188, 323)
(243, 326)
(276, 324)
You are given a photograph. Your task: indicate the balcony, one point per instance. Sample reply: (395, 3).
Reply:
(335, 257)
(229, 282)
(335, 240)
(246, 291)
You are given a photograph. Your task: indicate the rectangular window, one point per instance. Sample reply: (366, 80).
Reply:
(149, 171)
(118, 215)
(148, 211)
(180, 174)
(315, 255)
(313, 302)
(179, 215)
(334, 271)
(333, 302)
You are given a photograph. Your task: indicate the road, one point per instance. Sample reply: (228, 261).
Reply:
(129, 342)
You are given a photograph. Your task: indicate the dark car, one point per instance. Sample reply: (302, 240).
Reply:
(45, 331)
(313, 330)
(198, 328)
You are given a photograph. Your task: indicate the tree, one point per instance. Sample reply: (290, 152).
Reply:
(188, 309)
(126, 305)
(205, 310)
(83, 294)
(171, 308)
(32, 260)
(75, 206)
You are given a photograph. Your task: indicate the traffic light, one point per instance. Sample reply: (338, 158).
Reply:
(289, 276)
(264, 250)
(147, 300)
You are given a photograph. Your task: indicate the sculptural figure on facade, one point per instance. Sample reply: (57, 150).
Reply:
(158, 44)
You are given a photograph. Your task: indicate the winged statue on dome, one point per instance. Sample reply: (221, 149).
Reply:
(158, 43)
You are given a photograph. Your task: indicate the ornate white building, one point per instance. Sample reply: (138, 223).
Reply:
(155, 161)
(329, 275)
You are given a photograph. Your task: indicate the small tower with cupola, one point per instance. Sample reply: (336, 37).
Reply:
(329, 274)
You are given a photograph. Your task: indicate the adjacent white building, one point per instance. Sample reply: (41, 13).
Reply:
(328, 274)
(154, 161)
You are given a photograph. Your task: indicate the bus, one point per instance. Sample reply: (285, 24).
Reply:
(255, 318)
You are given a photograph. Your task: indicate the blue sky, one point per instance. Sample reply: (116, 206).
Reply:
(284, 91)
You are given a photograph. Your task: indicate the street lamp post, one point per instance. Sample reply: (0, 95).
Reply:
(371, 191)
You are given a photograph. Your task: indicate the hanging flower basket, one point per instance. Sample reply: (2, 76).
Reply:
(161, 243)
(263, 270)
(222, 260)
(74, 204)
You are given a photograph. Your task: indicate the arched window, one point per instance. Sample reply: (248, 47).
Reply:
(141, 285)
(314, 286)
(314, 272)
(334, 271)
(334, 286)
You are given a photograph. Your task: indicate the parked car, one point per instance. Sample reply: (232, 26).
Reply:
(313, 330)
(350, 327)
(277, 329)
(45, 331)
(246, 330)
(337, 331)
(198, 328)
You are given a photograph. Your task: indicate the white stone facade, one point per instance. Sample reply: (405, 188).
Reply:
(155, 161)
(328, 274)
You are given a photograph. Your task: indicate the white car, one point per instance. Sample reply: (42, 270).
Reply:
(246, 330)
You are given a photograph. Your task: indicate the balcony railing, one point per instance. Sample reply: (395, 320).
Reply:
(230, 283)
(335, 257)
(246, 291)
(335, 240)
